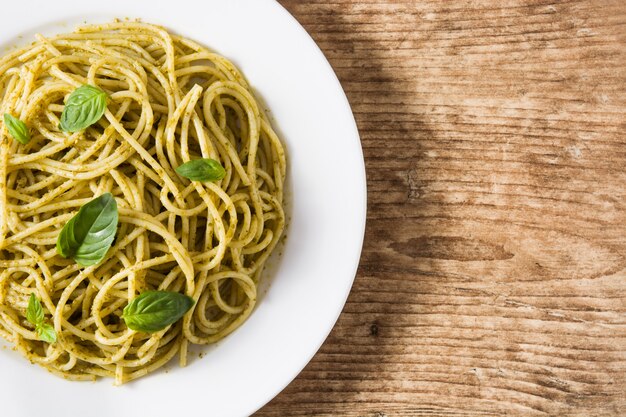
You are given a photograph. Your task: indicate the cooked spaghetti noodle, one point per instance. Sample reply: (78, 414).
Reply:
(170, 100)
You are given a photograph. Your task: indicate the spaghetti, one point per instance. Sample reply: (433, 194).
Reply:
(170, 100)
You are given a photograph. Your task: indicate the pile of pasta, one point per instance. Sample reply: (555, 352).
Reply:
(169, 101)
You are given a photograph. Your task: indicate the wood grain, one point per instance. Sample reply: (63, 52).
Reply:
(493, 276)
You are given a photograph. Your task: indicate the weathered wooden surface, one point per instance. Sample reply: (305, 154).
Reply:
(493, 277)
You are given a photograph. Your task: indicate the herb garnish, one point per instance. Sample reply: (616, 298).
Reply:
(204, 169)
(34, 314)
(88, 235)
(155, 310)
(84, 107)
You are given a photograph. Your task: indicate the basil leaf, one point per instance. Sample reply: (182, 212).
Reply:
(89, 234)
(202, 170)
(17, 128)
(46, 333)
(34, 312)
(155, 310)
(84, 107)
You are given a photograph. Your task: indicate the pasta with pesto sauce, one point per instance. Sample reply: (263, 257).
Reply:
(169, 101)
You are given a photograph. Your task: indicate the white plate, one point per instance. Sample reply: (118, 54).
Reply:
(311, 281)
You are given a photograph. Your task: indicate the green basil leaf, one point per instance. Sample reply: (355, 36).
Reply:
(34, 312)
(17, 128)
(155, 310)
(89, 234)
(202, 170)
(84, 107)
(46, 333)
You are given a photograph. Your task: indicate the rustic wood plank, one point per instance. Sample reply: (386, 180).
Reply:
(493, 276)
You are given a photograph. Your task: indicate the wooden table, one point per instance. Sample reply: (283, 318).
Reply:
(493, 276)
